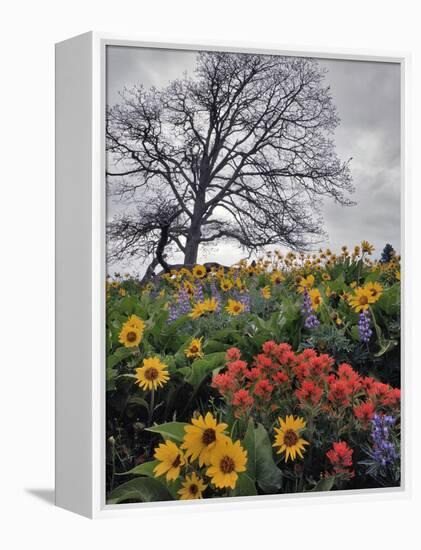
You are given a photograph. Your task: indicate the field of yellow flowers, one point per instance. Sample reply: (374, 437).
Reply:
(277, 376)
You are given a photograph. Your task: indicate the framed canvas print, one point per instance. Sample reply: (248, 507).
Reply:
(229, 267)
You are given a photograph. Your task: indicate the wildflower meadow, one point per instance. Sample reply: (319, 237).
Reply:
(279, 375)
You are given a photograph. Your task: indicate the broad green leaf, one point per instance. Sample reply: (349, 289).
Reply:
(201, 368)
(260, 463)
(145, 469)
(171, 430)
(137, 401)
(141, 489)
(389, 301)
(249, 443)
(325, 484)
(111, 376)
(245, 486)
(213, 346)
(119, 355)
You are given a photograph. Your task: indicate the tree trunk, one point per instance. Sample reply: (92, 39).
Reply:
(192, 248)
(195, 231)
(162, 243)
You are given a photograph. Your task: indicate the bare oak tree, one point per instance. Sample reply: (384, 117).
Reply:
(242, 150)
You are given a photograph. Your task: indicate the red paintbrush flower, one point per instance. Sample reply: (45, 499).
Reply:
(263, 389)
(233, 354)
(280, 378)
(339, 392)
(309, 392)
(243, 401)
(224, 383)
(340, 456)
(392, 397)
(365, 412)
(237, 368)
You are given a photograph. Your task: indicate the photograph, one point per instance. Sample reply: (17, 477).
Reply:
(252, 292)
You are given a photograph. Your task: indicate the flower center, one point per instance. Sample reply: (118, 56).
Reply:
(227, 465)
(131, 336)
(194, 349)
(363, 300)
(209, 436)
(151, 373)
(194, 489)
(176, 462)
(290, 438)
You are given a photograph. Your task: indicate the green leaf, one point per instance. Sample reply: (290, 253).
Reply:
(249, 443)
(213, 346)
(137, 401)
(145, 469)
(119, 355)
(325, 484)
(201, 368)
(111, 376)
(385, 346)
(389, 301)
(171, 430)
(245, 486)
(141, 489)
(260, 463)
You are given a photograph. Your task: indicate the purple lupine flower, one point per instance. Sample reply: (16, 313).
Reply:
(364, 326)
(310, 319)
(245, 300)
(216, 294)
(384, 451)
(198, 293)
(181, 307)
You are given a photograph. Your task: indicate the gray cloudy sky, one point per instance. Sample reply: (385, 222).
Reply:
(367, 96)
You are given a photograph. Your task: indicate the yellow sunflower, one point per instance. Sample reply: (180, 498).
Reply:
(226, 284)
(276, 277)
(288, 437)
(134, 321)
(375, 289)
(131, 332)
(194, 349)
(265, 292)
(227, 460)
(326, 276)
(152, 374)
(199, 271)
(202, 437)
(361, 299)
(234, 307)
(197, 310)
(171, 460)
(240, 285)
(367, 247)
(200, 308)
(305, 283)
(316, 298)
(192, 488)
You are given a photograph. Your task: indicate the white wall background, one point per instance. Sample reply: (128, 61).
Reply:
(28, 32)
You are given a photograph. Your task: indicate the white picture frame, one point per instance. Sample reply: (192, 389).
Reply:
(80, 276)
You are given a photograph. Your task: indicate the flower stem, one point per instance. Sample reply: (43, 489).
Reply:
(151, 407)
